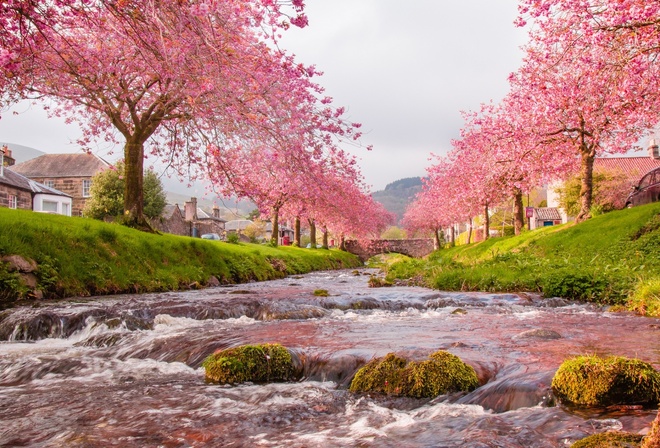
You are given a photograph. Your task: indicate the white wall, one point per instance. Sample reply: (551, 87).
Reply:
(43, 203)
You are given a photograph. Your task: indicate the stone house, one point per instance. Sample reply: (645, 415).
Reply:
(544, 217)
(172, 221)
(68, 173)
(201, 222)
(19, 192)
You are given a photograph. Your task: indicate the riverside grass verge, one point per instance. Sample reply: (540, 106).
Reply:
(606, 260)
(82, 257)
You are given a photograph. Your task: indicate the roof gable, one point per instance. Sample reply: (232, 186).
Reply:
(62, 165)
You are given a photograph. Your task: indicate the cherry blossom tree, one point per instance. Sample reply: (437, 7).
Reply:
(174, 75)
(590, 81)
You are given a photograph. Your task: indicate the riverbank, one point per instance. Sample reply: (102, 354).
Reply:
(611, 259)
(52, 256)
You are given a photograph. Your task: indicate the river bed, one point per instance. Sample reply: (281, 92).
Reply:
(125, 370)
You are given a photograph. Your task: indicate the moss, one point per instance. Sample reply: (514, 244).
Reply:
(652, 440)
(594, 381)
(255, 363)
(377, 282)
(321, 292)
(609, 440)
(392, 375)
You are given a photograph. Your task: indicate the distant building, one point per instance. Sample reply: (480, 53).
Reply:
(544, 217)
(69, 173)
(19, 192)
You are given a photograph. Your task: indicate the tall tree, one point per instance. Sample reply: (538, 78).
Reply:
(176, 75)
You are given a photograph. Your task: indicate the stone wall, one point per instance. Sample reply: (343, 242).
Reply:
(416, 248)
(23, 201)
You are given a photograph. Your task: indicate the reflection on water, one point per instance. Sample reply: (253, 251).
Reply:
(125, 371)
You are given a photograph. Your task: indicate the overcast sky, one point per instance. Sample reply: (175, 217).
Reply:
(404, 70)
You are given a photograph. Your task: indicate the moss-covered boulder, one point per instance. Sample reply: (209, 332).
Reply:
(609, 440)
(595, 381)
(256, 363)
(392, 375)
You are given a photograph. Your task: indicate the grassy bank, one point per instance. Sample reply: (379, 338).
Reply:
(607, 259)
(80, 257)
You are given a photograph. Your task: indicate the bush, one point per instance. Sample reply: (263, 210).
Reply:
(392, 375)
(569, 284)
(594, 381)
(255, 363)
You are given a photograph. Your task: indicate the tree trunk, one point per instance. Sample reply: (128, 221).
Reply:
(469, 232)
(586, 189)
(312, 233)
(275, 221)
(436, 239)
(325, 238)
(342, 243)
(453, 236)
(296, 232)
(486, 222)
(518, 213)
(134, 188)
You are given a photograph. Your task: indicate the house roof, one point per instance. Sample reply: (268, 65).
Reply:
(548, 213)
(632, 167)
(170, 210)
(16, 180)
(201, 215)
(61, 165)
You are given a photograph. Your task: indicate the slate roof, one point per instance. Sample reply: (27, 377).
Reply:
(61, 165)
(16, 180)
(547, 214)
(237, 224)
(632, 167)
(201, 214)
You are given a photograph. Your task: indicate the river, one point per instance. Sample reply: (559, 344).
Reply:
(124, 371)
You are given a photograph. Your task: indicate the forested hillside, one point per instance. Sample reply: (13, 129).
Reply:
(397, 195)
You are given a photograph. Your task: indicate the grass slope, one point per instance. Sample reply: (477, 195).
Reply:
(605, 260)
(79, 257)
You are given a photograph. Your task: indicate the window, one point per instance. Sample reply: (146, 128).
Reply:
(49, 183)
(13, 201)
(86, 185)
(49, 206)
(65, 209)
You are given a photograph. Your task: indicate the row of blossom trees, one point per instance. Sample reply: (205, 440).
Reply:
(199, 84)
(589, 85)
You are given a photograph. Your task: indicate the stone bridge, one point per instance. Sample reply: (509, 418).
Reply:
(416, 248)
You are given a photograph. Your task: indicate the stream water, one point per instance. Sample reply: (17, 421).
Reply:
(124, 371)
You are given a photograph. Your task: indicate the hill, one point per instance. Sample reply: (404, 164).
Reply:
(397, 195)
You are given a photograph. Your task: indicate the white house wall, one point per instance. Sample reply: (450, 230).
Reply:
(38, 203)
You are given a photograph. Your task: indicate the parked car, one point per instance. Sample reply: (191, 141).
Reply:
(211, 236)
(647, 190)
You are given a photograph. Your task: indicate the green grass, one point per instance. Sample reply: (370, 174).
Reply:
(80, 257)
(602, 260)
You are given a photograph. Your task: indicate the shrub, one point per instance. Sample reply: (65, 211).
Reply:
(392, 375)
(595, 381)
(256, 363)
(233, 238)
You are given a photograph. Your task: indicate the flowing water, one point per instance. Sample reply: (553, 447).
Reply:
(124, 371)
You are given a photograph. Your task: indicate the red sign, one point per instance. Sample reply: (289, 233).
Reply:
(529, 212)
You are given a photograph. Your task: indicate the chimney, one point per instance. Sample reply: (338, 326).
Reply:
(654, 151)
(190, 210)
(216, 212)
(5, 159)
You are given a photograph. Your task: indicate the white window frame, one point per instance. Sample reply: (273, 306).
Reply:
(13, 201)
(86, 187)
(49, 183)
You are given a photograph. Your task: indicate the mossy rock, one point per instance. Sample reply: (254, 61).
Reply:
(595, 381)
(610, 440)
(392, 375)
(256, 363)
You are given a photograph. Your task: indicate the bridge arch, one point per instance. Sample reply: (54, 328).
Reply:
(365, 249)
